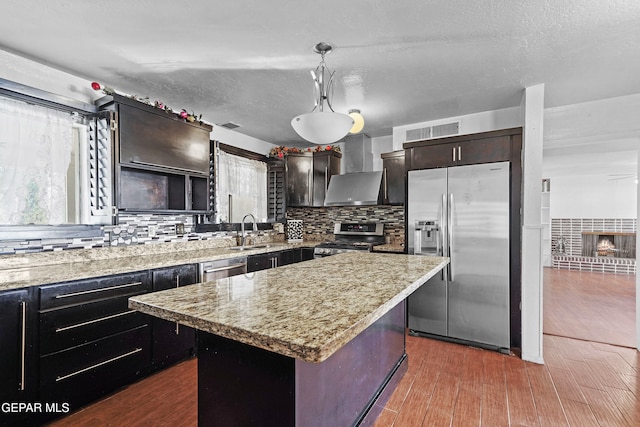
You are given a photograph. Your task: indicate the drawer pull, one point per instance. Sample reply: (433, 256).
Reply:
(89, 322)
(97, 365)
(228, 267)
(93, 291)
(23, 344)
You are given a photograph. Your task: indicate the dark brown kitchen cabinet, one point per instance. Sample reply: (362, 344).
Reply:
(16, 332)
(299, 179)
(274, 259)
(276, 197)
(308, 175)
(459, 150)
(325, 165)
(393, 178)
(90, 343)
(172, 342)
(161, 163)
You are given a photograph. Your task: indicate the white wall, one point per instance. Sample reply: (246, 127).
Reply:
(593, 196)
(591, 157)
(472, 123)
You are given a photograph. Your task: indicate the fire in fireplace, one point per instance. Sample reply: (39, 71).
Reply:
(608, 244)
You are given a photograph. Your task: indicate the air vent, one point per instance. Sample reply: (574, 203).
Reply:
(418, 134)
(230, 125)
(430, 132)
(445, 130)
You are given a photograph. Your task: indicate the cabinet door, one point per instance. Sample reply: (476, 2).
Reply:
(299, 180)
(160, 140)
(486, 150)
(263, 262)
(14, 306)
(393, 180)
(325, 165)
(432, 156)
(289, 256)
(172, 341)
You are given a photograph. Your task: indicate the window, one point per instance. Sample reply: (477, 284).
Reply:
(242, 188)
(43, 177)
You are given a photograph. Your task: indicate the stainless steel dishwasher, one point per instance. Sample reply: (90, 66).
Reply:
(219, 269)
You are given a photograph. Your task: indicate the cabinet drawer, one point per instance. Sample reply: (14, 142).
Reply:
(72, 326)
(93, 364)
(83, 291)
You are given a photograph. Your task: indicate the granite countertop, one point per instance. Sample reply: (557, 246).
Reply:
(40, 269)
(306, 310)
(395, 248)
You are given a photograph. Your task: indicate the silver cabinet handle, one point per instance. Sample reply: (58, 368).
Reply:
(226, 267)
(177, 286)
(454, 153)
(450, 233)
(459, 153)
(93, 291)
(23, 344)
(310, 190)
(89, 322)
(386, 189)
(137, 162)
(97, 365)
(441, 252)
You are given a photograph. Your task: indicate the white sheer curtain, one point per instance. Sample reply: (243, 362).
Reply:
(35, 151)
(245, 181)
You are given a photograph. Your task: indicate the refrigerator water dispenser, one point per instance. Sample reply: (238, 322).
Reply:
(427, 237)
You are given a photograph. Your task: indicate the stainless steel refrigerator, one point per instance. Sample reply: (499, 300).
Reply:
(462, 212)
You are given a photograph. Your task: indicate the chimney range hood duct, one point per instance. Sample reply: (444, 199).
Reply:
(354, 189)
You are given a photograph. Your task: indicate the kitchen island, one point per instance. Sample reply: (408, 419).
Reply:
(317, 343)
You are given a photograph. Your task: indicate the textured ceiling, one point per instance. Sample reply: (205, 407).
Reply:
(398, 62)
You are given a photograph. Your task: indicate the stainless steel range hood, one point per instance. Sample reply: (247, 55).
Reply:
(354, 189)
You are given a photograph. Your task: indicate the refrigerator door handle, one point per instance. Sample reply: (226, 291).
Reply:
(441, 252)
(450, 235)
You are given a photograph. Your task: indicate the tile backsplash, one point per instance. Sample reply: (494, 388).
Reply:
(140, 229)
(318, 222)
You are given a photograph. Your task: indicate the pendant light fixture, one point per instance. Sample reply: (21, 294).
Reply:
(358, 121)
(321, 126)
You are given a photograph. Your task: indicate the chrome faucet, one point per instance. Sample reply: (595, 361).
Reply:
(255, 226)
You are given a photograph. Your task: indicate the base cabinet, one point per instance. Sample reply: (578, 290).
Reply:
(171, 341)
(90, 343)
(277, 259)
(16, 368)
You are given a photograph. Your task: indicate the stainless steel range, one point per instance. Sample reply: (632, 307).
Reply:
(351, 237)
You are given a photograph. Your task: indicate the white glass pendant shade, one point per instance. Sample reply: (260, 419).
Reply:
(322, 127)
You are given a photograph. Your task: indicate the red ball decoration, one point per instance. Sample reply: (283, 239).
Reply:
(95, 85)
(184, 114)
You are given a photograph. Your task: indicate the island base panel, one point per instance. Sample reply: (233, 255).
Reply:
(242, 385)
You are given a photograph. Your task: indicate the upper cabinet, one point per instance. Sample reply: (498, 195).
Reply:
(160, 162)
(460, 150)
(151, 139)
(393, 177)
(308, 175)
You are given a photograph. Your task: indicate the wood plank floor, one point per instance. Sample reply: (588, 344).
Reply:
(591, 306)
(581, 384)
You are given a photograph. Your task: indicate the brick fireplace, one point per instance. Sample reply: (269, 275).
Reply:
(600, 244)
